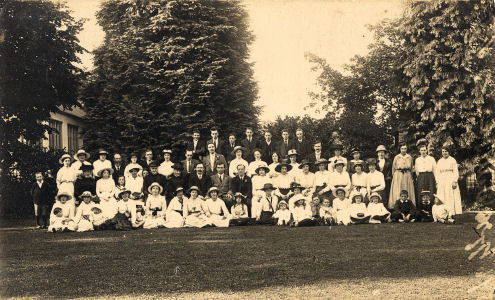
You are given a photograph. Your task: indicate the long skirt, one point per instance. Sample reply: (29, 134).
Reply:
(197, 220)
(401, 181)
(220, 221)
(153, 222)
(450, 197)
(174, 219)
(426, 182)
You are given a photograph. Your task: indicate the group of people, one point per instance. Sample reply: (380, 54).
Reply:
(224, 183)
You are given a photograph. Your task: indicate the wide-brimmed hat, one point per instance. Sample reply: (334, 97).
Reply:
(355, 150)
(64, 157)
(60, 194)
(160, 188)
(212, 189)
(304, 162)
(284, 162)
(292, 152)
(296, 185)
(297, 198)
(102, 151)
(177, 166)
(339, 189)
(339, 161)
(137, 195)
(321, 161)
(371, 161)
(355, 194)
(282, 202)
(100, 172)
(262, 165)
(179, 189)
(436, 197)
(268, 186)
(381, 148)
(86, 194)
(194, 188)
(86, 167)
(133, 166)
(239, 194)
(126, 191)
(358, 163)
(337, 146)
(375, 194)
(82, 152)
(238, 148)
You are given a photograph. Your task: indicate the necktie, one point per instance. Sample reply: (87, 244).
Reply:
(221, 178)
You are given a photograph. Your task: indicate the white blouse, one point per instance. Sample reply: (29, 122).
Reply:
(375, 179)
(165, 168)
(425, 164)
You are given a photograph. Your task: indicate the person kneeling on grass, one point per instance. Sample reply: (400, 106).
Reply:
(404, 209)
(357, 210)
(219, 214)
(441, 212)
(67, 211)
(341, 207)
(83, 216)
(302, 213)
(174, 215)
(195, 211)
(239, 211)
(377, 211)
(425, 206)
(282, 215)
(156, 207)
(327, 214)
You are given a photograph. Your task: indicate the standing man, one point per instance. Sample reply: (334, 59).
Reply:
(200, 179)
(250, 144)
(215, 140)
(315, 156)
(229, 148)
(384, 165)
(267, 147)
(196, 146)
(118, 166)
(301, 144)
(211, 160)
(285, 145)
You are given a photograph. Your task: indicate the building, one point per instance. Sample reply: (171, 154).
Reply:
(68, 124)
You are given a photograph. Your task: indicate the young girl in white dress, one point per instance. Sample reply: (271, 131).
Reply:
(327, 213)
(83, 218)
(219, 214)
(441, 212)
(156, 207)
(283, 214)
(175, 211)
(376, 210)
(195, 210)
(341, 207)
(357, 210)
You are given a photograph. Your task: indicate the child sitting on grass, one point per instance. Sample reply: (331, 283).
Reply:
(404, 209)
(98, 218)
(138, 211)
(327, 214)
(441, 212)
(302, 213)
(283, 214)
(341, 207)
(425, 207)
(377, 211)
(239, 211)
(315, 208)
(83, 219)
(57, 221)
(357, 210)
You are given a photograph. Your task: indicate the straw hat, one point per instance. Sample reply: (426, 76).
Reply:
(64, 157)
(60, 194)
(238, 148)
(160, 188)
(381, 148)
(304, 162)
(126, 191)
(82, 152)
(86, 194)
(375, 194)
(100, 172)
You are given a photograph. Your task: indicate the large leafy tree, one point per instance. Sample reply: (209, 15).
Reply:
(449, 69)
(165, 68)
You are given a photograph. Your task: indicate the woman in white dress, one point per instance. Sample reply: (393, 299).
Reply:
(165, 167)
(174, 215)
(238, 152)
(292, 155)
(156, 207)
(219, 214)
(274, 164)
(195, 210)
(306, 178)
(66, 178)
(447, 175)
(105, 189)
(260, 179)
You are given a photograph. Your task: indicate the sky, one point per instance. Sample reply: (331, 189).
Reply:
(284, 31)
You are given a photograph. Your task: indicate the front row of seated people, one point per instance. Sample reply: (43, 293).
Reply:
(130, 211)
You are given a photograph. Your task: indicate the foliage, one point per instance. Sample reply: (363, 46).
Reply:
(166, 68)
(450, 75)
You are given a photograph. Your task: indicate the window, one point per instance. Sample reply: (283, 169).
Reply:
(55, 138)
(73, 138)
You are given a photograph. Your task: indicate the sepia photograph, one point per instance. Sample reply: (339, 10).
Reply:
(247, 149)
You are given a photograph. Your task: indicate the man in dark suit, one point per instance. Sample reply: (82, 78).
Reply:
(211, 160)
(384, 165)
(241, 183)
(154, 176)
(223, 182)
(42, 194)
(200, 179)
(189, 163)
(316, 155)
(284, 146)
(148, 158)
(215, 140)
(229, 147)
(301, 144)
(250, 144)
(267, 147)
(118, 167)
(196, 146)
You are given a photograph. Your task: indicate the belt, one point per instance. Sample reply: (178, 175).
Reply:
(373, 187)
(340, 185)
(359, 187)
(179, 211)
(404, 170)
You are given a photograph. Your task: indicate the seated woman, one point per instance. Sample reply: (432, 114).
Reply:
(174, 215)
(376, 210)
(283, 181)
(83, 216)
(156, 207)
(195, 210)
(341, 207)
(66, 212)
(302, 214)
(105, 189)
(239, 211)
(219, 214)
(357, 209)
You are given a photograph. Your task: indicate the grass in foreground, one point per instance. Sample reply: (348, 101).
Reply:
(398, 260)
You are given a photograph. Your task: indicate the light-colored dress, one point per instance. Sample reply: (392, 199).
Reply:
(258, 182)
(307, 181)
(359, 183)
(272, 168)
(166, 169)
(341, 208)
(447, 173)
(65, 180)
(195, 213)
(174, 215)
(105, 189)
(67, 215)
(135, 185)
(283, 216)
(158, 205)
(100, 165)
(402, 179)
(239, 211)
(83, 218)
(219, 215)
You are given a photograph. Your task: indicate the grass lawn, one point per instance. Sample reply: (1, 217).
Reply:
(380, 261)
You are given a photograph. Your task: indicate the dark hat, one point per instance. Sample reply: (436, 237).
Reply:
(421, 142)
(339, 189)
(296, 185)
(86, 167)
(124, 192)
(321, 161)
(268, 186)
(177, 166)
(264, 166)
(136, 195)
(304, 162)
(153, 164)
(285, 163)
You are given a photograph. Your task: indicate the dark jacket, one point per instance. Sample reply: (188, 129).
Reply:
(244, 186)
(173, 183)
(304, 148)
(200, 149)
(267, 150)
(387, 169)
(227, 151)
(159, 178)
(193, 164)
(250, 146)
(44, 195)
(84, 184)
(224, 186)
(203, 184)
(406, 207)
(118, 172)
(283, 148)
